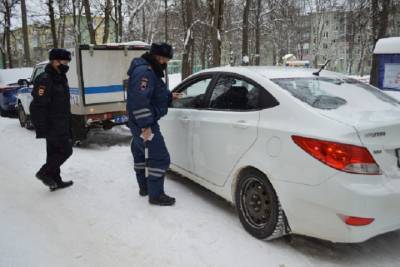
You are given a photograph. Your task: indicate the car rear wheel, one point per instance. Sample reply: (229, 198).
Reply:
(259, 209)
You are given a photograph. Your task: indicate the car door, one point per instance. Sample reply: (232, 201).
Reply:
(227, 129)
(177, 126)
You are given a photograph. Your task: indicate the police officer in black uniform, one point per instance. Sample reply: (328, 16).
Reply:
(51, 115)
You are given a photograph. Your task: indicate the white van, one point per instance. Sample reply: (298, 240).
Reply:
(96, 80)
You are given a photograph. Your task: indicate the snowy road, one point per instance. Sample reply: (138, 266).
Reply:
(102, 221)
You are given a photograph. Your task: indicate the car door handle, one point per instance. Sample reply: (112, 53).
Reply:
(241, 124)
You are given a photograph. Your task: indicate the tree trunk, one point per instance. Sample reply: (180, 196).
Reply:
(120, 21)
(61, 25)
(107, 13)
(7, 33)
(89, 21)
(216, 10)
(52, 22)
(143, 25)
(166, 20)
(245, 32)
(258, 23)
(187, 11)
(27, 54)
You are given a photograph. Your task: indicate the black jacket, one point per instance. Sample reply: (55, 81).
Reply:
(50, 109)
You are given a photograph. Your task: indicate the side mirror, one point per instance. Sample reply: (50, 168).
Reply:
(23, 82)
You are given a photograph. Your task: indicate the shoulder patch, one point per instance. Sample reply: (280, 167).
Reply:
(41, 90)
(144, 82)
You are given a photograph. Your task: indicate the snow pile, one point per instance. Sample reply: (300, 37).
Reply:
(364, 79)
(102, 221)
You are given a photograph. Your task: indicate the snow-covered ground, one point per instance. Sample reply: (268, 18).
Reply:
(102, 221)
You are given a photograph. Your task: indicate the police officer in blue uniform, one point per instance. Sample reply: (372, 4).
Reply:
(148, 101)
(51, 115)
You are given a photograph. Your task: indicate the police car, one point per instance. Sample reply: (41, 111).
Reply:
(9, 86)
(96, 76)
(296, 150)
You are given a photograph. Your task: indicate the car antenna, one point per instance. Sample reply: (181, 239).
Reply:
(322, 67)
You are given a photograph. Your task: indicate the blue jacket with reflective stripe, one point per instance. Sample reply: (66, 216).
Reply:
(148, 95)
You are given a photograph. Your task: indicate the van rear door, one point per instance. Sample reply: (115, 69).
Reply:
(103, 70)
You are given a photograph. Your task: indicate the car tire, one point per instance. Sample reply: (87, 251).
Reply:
(259, 209)
(3, 113)
(24, 119)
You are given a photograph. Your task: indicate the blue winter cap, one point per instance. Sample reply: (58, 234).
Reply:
(60, 54)
(162, 49)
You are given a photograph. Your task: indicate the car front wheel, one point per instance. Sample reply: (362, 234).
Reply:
(23, 118)
(258, 206)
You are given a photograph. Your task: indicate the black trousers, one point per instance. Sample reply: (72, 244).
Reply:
(58, 151)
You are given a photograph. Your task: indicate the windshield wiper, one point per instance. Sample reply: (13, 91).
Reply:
(322, 67)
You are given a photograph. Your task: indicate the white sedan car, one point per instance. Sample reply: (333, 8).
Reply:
(296, 152)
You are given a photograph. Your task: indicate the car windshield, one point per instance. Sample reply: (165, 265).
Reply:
(331, 93)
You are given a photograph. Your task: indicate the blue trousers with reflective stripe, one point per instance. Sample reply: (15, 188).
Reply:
(158, 161)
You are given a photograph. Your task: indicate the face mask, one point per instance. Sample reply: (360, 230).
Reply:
(63, 68)
(164, 66)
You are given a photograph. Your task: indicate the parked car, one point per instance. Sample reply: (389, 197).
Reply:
(296, 152)
(9, 86)
(95, 77)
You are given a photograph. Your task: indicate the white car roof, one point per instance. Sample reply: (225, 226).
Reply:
(274, 72)
(388, 46)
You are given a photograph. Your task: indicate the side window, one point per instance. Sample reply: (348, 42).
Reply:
(39, 70)
(232, 93)
(194, 95)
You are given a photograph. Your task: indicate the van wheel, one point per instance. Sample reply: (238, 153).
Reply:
(258, 206)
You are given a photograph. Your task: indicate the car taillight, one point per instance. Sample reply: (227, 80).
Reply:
(343, 157)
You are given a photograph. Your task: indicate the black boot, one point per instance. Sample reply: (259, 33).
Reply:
(162, 200)
(143, 192)
(60, 184)
(47, 180)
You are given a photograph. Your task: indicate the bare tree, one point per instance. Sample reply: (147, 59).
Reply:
(76, 17)
(166, 20)
(245, 31)
(50, 5)
(89, 21)
(187, 18)
(27, 54)
(258, 32)
(216, 9)
(107, 15)
(6, 7)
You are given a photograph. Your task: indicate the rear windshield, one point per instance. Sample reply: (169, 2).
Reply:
(331, 93)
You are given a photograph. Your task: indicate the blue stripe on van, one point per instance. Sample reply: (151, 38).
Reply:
(104, 89)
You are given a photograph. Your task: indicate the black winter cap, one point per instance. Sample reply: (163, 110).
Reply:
(162, 49)
(60, 54)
